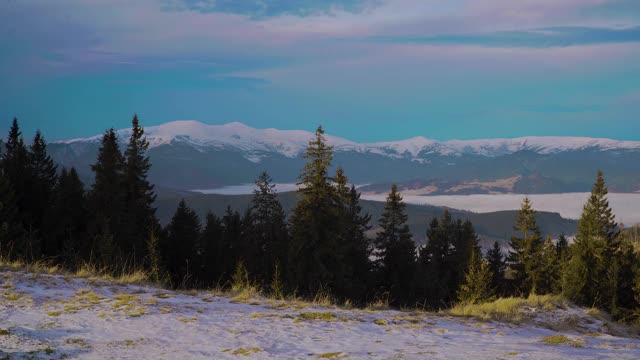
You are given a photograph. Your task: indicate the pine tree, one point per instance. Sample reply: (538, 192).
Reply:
(68, 220)
(477, 285)
(549, 278)
(107, 196)
(183, 234)
(15, 166)
(213, 253)
(444, 260)
(313, 259)
(140, 220)
(267, 228)
(497, 265)
(562, 248)
(9, 223)
(395, 251)
(525, 256)
(40, 197)
(588, 279)
(628, 264)
(437, 261)
(354, 278)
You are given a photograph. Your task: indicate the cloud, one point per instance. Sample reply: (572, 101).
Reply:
(535, 38)
(269, 8)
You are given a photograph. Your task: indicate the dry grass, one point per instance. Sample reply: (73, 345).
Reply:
(87, 271)
(330, 355)
(561, 340)
(508, 309)
(318, 316)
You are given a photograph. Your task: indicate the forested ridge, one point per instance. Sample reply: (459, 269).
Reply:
(323, 246)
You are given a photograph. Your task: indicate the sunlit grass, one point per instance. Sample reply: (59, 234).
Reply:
(508, 309)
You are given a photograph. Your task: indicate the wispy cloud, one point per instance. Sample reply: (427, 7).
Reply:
(535, 38)
(269, 8)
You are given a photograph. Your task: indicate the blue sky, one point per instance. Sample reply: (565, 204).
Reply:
(367, 70)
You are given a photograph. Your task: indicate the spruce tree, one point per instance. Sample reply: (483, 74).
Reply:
(477, 285)
(549, 278)
(444, 260)
(9, 223)
(628, 264)
(140, 220)
(313, 259)
(525, 256)
(437, 261)
(232, 238)
(40, 197)
(588, 280)
(15, 166)
(562, 248)
(107, 198)
(183, 234)
(353, 224)
(395, 252)
(268, 230)
(213, 265)
(497, 265)
(68, 219)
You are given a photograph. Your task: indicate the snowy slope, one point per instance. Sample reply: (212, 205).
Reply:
(291, 143)
(55, 317)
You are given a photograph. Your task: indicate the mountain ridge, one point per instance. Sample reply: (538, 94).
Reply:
(292, 143)
(189, 155)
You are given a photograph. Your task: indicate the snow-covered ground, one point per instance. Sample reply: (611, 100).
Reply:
(53, 316)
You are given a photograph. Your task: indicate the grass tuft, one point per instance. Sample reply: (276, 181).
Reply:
(508, 309)
(330, 355)
(318, 316)
(381, 322)
(247, 351)
(560, 340)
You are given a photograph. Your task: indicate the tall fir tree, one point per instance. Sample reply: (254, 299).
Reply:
(9, 222)
(549, 278)
(497, 265)
(107, 199)
(232, 238)
(15, 165)
(268, 230)
(444, 260)
(354, 244)
(588, 280)
(525, 255)
(395, 252)
(314, 259)
(40, 197)
(140, 220)
(180, 255)
(437, 261)
(213, 265)
(68, 220)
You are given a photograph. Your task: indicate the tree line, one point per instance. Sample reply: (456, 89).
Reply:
(325, 245)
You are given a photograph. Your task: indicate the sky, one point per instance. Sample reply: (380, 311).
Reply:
(367, 70)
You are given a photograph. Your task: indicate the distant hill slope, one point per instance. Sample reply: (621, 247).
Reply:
(490, 226)
(192, 155)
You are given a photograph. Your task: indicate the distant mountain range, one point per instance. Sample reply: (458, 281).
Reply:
(192, 155)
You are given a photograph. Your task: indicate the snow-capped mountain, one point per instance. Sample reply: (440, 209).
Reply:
(291, 143)
(189, 154)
